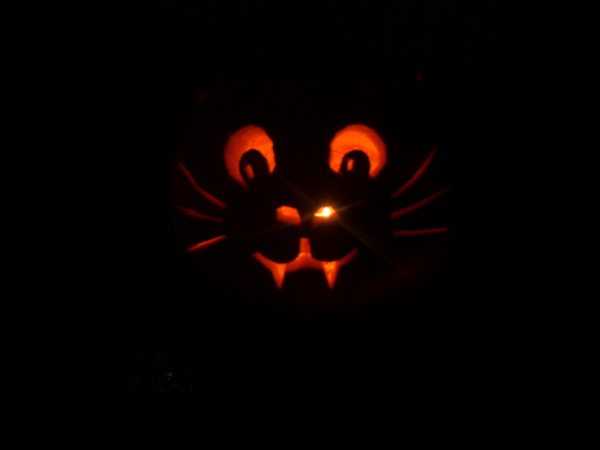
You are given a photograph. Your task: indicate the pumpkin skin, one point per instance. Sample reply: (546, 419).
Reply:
(287, 191)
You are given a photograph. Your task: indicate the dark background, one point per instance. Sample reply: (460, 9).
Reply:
(113, 337)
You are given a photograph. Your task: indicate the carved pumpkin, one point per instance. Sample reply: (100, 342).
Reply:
(327, 193)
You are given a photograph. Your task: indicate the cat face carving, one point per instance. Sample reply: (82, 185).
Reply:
(310, 191)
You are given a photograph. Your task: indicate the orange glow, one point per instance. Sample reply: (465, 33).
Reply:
(247, 138)
(358, 137)
(289, 215)
(418, 174)
(249, 171)
(325, 212)
(207, 243)
(415, 206)
(305, 260)
(207, 195)
(198, 215)
(422, 232)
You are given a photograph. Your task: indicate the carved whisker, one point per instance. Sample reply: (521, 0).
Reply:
(207, 195)
(198, 215)
(408, 209)
(421, 232)
(203, 244)
(418, 174)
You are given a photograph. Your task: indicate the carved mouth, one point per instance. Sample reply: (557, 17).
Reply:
(305, 260)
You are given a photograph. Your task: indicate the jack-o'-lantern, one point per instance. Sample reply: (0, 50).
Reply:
(329, 193)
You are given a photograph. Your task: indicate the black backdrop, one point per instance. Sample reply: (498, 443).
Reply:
(114, 338)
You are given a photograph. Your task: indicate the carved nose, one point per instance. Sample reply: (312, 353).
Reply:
(288, 215)
(291, 216)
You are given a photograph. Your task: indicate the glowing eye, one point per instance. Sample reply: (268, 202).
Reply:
(249, 154)
(352, 142)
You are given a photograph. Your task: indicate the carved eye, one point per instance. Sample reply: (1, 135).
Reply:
(357, 150)
(249, 155)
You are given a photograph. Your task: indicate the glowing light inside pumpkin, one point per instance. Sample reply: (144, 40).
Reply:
(305, 260)
(358, 137)
(325, 212)
(247, 138)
